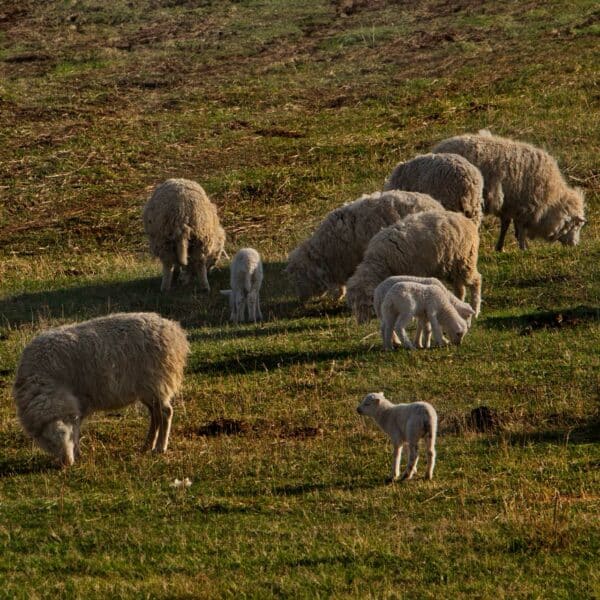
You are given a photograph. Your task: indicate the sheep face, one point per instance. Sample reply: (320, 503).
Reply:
(457, 331)
(306, 281)
(370, 403)
(570, 229)
(61, 439)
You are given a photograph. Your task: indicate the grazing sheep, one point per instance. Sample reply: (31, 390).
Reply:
(183, 230)
(449, 178)
(522, 183)
(246, 275)
(423, 333)
(328, 258)
(432, 244)
(428, 303)
(67, 373)
(405, 424)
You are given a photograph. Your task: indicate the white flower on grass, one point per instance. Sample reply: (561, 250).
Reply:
(177, 483)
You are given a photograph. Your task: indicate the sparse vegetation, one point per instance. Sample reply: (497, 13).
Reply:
(282, 111)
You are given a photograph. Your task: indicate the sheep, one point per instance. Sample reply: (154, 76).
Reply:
(449, 178)
(325, 261)
(405, 424)
(429, 303)
(246, 275)
(440, 244)
(67, 373)
(522, 183)
(423, 332)
(184, 231)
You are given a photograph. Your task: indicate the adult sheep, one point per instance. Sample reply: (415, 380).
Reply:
(522, 184)
(440, 244)
(325, 261)
(184, 231)
(67, 373)
(449, 178)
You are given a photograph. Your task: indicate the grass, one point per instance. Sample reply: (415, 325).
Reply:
(283, 111)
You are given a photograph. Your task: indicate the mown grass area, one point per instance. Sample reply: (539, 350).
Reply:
(282, 111)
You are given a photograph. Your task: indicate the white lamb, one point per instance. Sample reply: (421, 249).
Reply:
(428, 303)
(522, 183)
(449, 178)
(405, 424)
(423, 333)
(65, 374)
(246, 275)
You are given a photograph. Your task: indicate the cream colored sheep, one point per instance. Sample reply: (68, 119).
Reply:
(440, 244)
(324, 262)
(523, 184)
(183, 230)
(428, 303)
(65, 374)
(405, 424)
(449, 178)
(246, 275)
(423, 333)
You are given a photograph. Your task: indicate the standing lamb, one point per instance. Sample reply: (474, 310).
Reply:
(522, 183)
(246, 275)
(432, 244)
(325, 261)
(423, 333)
(449, 178)
(405, 424)
(428, 303)
(183, 230)
(65, 374)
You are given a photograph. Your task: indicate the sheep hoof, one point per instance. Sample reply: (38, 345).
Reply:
(391, 480)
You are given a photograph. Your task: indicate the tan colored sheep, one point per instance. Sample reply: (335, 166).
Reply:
(440, 244)
(449, 178)
(183, 230)
(522, 183)
(325, 261)
(65, 374)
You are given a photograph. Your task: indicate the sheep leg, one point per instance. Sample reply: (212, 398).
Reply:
(504, 225)
(252, 307)
(423, 334)
(400, 327)
(258, 311)
(164, 426)
(167, 277)
(150, 442)
(521, 235)
(430, 456)
(413, 458)
(387, 329)
(460, 290)
(475, 292)
(436, 328)
(397, 457)
(199, 269)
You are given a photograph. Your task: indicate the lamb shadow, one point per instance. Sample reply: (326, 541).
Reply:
(261, 362)
(256, 331)
(584, 432)
(570, 317)
(26, 466)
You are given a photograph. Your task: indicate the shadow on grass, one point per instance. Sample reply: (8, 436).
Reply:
(570, 317)
(584, 432)
(187, 304)
(25, 466)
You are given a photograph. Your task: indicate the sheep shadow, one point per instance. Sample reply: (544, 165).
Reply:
(27, 466)
(553, 319)
(187, 304)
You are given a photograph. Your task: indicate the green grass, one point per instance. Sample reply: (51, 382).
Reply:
(283, 111)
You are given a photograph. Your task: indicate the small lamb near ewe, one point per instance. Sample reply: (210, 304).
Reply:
(65, 374)
(184, 231)
(449, 178)
(423, 333)
(522, 183)
(429, 304)
(405, 424)
(324, 261)
(246, 275)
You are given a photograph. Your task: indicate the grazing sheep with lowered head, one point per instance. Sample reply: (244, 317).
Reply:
(325, 261)
(522, 183)
(441, 244)
(65, 374)
(428, 303)
(246, 275)
(405, 424)
(183, 230)
(449, 178)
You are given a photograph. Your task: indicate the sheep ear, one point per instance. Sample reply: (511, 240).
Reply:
(579, 220)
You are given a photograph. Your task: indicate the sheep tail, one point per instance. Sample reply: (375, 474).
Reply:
(182, 245)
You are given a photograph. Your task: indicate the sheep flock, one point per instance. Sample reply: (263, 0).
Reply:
(387, 254)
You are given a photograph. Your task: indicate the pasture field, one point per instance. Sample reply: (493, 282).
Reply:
(282, 111)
